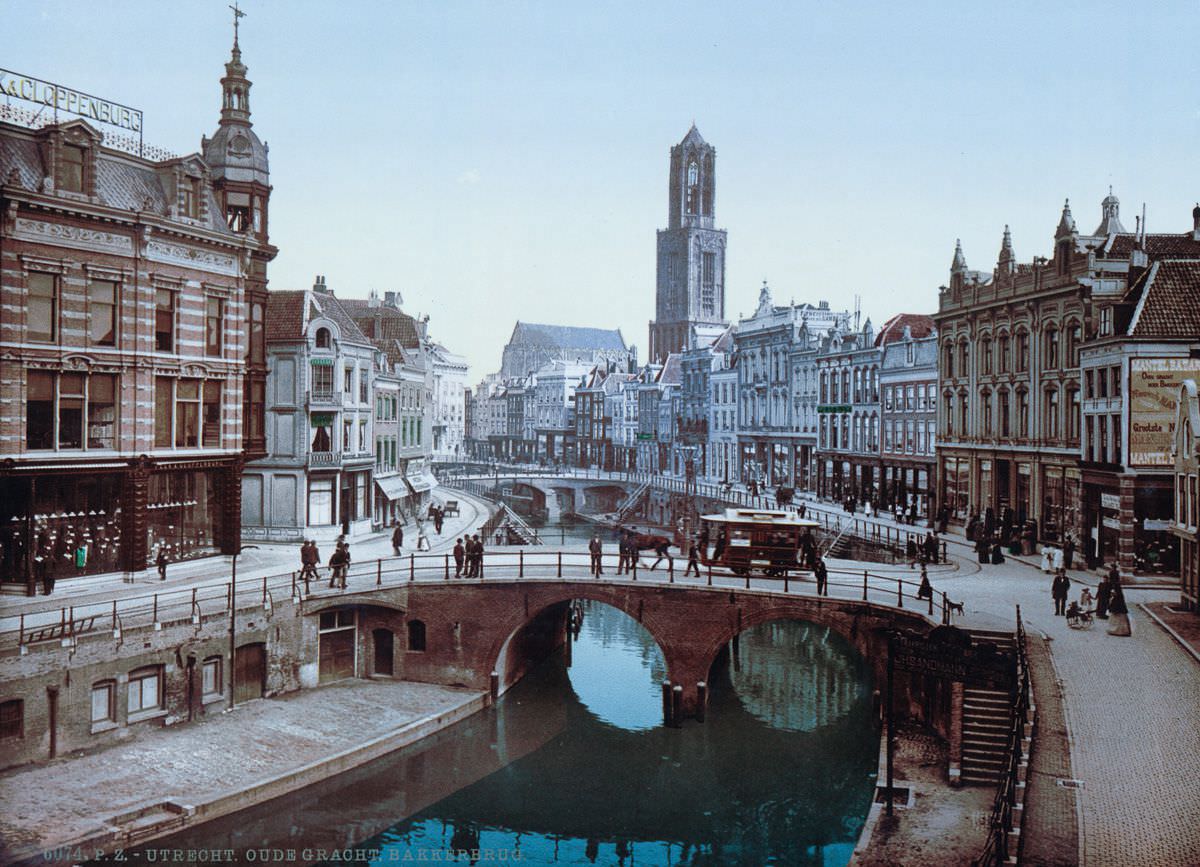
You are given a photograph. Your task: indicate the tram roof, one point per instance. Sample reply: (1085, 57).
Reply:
(772, 517)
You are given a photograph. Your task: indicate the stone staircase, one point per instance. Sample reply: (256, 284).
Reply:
(987, 720)
(633, 502)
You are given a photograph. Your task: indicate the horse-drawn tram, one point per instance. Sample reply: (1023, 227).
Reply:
(745, 540)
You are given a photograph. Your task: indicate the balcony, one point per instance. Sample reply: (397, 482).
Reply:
(323, 399)
(324, 459)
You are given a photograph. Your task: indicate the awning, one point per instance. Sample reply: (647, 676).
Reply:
(421, 481)
(393, 487)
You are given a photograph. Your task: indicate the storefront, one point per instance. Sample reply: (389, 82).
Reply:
(183, 514)
(956, 487)
(391, 491)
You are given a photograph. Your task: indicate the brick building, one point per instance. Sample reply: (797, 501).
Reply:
(133, 292)
(908, 411)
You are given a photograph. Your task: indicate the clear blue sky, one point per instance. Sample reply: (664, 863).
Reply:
(498, 161)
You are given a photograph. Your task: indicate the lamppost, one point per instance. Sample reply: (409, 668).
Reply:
(233, 618)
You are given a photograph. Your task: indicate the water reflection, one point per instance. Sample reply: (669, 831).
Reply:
(559, 773)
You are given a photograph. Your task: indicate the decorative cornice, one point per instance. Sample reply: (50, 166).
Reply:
(63, 235)
(190, 257)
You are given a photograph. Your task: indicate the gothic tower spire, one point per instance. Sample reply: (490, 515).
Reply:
(1007, 262)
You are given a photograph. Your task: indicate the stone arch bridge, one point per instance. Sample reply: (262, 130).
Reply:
(556, 495)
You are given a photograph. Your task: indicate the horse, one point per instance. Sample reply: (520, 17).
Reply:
(648, 542)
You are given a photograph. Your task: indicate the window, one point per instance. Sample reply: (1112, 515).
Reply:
(963, 414)
(964, 358)
(347, 435)
(1002, 399)
(210, 678)
(322, 381)
(189, 191)
(1102, 382)
(41, 315)
(416, 635)
(1051, 348)
(322, 338)
(1002, 353)
(145, 690)
(986, 423)
(1022, 360)
(257, 350)
(1089, 390)
(910, 353)
(212, 415)
(320, 501)
(693, 193)
(187, 413)
(985, 357)
(102, 313)
(1073, 412)
(162, 412)
(910, 398)
(104, 702)
(39, 410)
(1074, 336)
(1089, 445)
(1052, 428)
(164, 320)
(362, 435)
(1116, 434)
(214, 315)
(1116, 381)
(348, 381)
(363, 383)
(1106, 321)
(1102, 440)
(12, 718)
(948, 361)
(254, 413)
(70, 176)
(1022, 414)
(237, 211)
(102, 411)
(70, 410)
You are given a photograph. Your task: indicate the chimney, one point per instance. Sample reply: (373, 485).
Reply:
(1196, 222)
(319, 284)
(389, 299)
(373, 299)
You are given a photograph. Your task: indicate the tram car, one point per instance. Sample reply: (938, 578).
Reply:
(762, 540)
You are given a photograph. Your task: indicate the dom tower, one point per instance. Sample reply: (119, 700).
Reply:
(242, 184)
(690, 298)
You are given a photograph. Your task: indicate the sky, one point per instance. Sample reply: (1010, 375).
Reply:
(502, 161)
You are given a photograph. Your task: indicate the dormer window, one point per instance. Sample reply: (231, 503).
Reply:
(322, 338)
(189, 199)
(70, 177)
(1106, 321)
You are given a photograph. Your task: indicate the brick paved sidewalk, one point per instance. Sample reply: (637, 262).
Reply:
(1050, 835)
(1183, 626)
(75, 799)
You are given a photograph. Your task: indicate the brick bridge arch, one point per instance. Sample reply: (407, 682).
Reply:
(468, 625)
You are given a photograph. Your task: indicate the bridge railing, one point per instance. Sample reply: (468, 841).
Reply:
(196, 605)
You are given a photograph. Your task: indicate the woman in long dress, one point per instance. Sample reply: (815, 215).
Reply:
(1118, 612)
(1047, 560)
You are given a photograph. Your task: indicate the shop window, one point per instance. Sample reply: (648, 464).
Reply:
(72, 159)
(212, 415)
(12, 718)
(104, 702)
(416, 635)
(164, 320)
(320, 502)
(187, 413)
(102, 313)
(145, 690)
(214, 316)
(41, 313)
(39, 410)
(211, 682)
(183, 513)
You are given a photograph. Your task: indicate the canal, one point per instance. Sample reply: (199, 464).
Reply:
(573, 766)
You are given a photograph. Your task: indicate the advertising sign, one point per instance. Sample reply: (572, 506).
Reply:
(26, 87)
(1153, 395)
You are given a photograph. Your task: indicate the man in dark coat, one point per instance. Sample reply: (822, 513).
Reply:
(1060, 589)
(597, 552)
(460, 554)
(1103, 595)
(822, 575)
(1068, 551)
(693, 563)
(478, 557)
(397, 539)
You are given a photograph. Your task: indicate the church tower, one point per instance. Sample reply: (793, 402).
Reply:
(242, 187)
(690, 295)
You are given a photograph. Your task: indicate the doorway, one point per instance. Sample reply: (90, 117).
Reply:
(384, 655)
(249, 671)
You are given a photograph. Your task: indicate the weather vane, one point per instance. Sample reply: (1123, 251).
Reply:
(237, 13)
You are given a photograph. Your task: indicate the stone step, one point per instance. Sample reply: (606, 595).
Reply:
(992, 740)
(986, 712)
(979, 779)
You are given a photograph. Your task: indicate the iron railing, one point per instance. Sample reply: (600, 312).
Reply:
(1000, 847)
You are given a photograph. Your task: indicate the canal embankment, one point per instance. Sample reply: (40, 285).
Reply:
(84, 806)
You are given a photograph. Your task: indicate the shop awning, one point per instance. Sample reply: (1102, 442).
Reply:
(393, 487)
(421, 481)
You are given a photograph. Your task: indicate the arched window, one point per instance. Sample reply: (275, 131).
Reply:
(322, 338)
(985, 355)
(963, 404)
(1002, 352)
(964, 357)
(948, 360)
(1052, 419)
(416, 635)
(1021, 362)
(948, 413)
(693, 190)
(1052, 358)
(1074, 336)
(985, 404)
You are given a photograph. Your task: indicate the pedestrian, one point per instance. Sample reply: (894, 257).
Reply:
(822, 576)
(910, 549)
(1047, 559)
(1068, 551)
(1060, 588)
(704, 537)
(925, 591)
(422, 539)
(438, 518)
(460, 554)
(997, 555)
(337, 565)
(597, 552)
(478, 557)
(1119, 611)
(693, 564)
(161, 563)
(43, 568)
(930, 546)
(983, 547)
(309, 558)
(803, 510)
(1085, 598)
(1103, 594)
(397, 539)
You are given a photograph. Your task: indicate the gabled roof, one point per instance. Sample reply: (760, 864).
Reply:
(392, 331)
(1156, 246)
(1167, 296)
(919, 326)
(566, 337)
(672, 371)
(290, 311)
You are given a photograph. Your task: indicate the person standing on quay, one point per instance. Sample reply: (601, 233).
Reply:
(822, 575)
(459, 557)
(161, 562)
(597, 552)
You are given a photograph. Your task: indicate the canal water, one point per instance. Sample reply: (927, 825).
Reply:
(573, 766)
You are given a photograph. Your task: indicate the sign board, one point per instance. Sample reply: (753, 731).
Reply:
(840, 407)
(59, 98)
(1153, 398)
(1156, 524)
(645, 436)
(1111, 523)
(1110, 501)
(949, 653)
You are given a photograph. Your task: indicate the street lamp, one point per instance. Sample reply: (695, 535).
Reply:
(233, 617)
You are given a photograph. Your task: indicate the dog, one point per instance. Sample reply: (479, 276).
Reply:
(954, 607)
